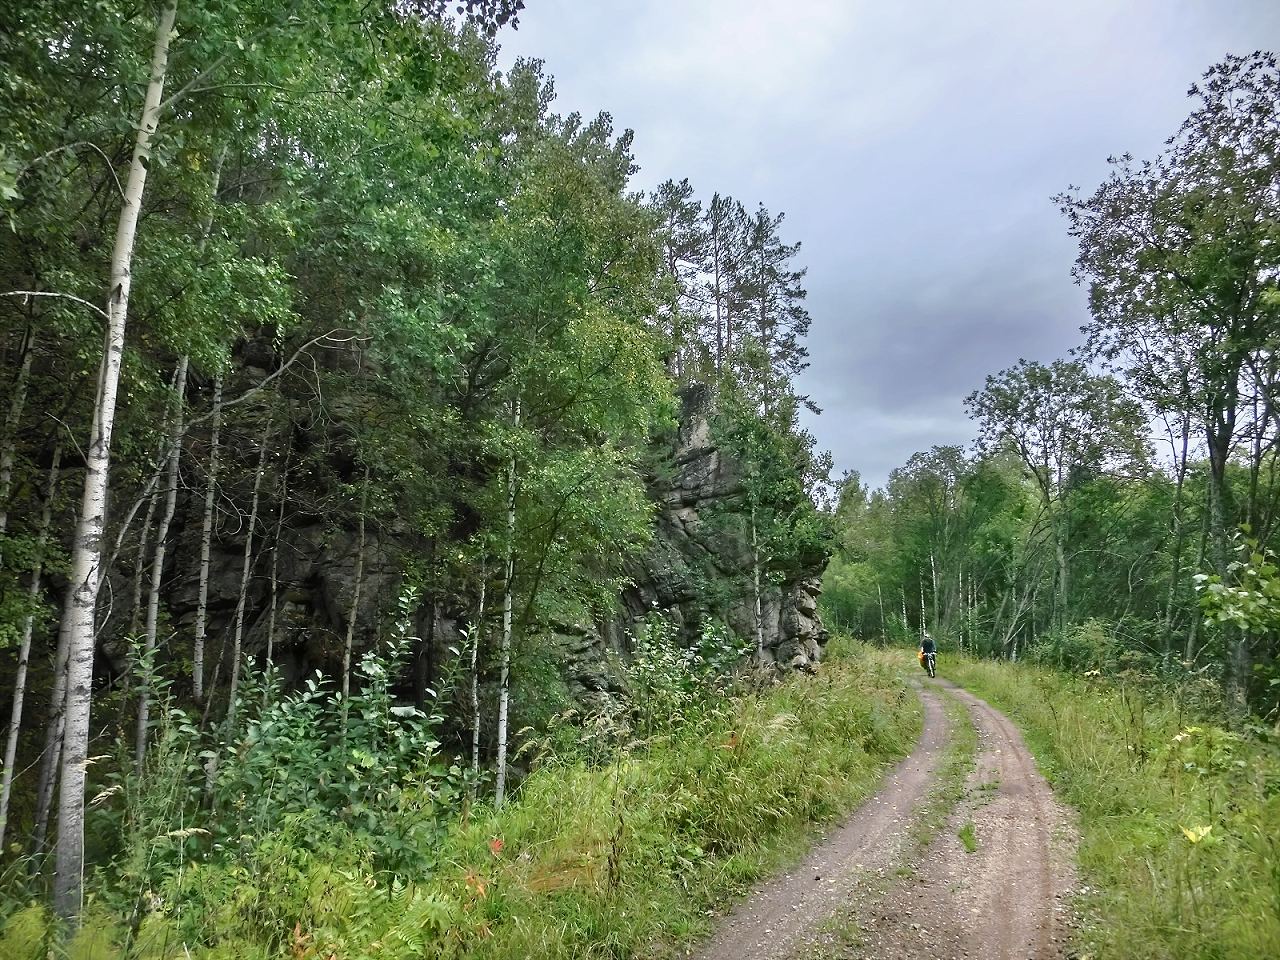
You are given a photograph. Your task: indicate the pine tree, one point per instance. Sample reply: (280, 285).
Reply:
(768, 304)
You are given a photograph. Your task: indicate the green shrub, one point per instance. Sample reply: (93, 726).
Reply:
(599, 854)
(674, 685)
(27, 934)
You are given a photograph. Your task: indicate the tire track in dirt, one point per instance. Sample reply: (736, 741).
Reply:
(782, 914)
(1008, 899)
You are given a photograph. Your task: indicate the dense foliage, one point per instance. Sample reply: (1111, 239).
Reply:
(619, 843)
(316, 274)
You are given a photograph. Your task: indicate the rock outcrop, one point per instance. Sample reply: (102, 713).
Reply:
(698, 567)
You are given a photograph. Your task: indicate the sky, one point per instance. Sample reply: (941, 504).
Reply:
(914, 147)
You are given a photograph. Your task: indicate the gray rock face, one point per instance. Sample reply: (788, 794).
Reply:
(314, 591)
(698, 567)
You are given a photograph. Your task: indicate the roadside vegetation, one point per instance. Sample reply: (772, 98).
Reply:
(616, 844)
(1179, 850)
(1123, 503)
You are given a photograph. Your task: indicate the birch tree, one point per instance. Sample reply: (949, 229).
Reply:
(177, 431)
(242, 600)
(206, 544)
(86, 553)
(24, 644)
(477, 634)
(358, 586)
(508, 607)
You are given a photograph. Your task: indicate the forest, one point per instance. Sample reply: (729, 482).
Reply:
(338, 370)
(1101, 561)
(410, 545)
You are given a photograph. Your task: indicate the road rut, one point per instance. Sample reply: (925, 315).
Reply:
(781, 915)
(1007, 899)
(869, 891)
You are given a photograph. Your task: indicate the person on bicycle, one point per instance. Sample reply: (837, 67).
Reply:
(928, 648)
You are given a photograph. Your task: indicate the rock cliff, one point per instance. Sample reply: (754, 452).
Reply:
(697, 567)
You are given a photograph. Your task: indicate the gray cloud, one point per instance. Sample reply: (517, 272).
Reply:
(914, 148)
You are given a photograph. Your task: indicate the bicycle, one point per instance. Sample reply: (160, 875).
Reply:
(930, 663)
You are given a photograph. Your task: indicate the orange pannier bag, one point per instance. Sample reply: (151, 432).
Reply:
(920, 656)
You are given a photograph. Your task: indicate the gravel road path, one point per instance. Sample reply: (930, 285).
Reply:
(782, 915)
(869, 891)
(1004, 896)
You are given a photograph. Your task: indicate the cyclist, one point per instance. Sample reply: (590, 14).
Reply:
(928, 652)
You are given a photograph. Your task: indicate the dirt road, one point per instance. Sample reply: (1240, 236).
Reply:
(871, 891)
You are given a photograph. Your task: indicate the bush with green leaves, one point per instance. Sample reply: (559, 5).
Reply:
(310, 791)
(367, 763)
(1091, 645)
(672, 683)
(1248, 600)
(670, 828)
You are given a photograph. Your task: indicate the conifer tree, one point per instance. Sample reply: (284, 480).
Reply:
(768, 304)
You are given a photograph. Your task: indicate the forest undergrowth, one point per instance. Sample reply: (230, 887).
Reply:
(624, 840)
(1179, 851)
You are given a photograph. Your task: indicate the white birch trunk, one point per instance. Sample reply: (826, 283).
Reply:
(970, 612)
(922, 608)
(933, 573)
(52, 754)
(477, 631)
(157, 566)
(146, 496)
(1060, 553)
(206, 547)
(504, 673)
(24, 645)
(755, 586)
(237, 630)
(140, 566)
(206, 529)
(246, 573)
(86, 553)
(275, 576)
(349, 643)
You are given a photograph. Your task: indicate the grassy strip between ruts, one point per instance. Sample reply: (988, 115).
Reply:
(626, 859)
(1180, 848)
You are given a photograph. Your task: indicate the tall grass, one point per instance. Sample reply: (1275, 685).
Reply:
(628, 858)
(1179, 817)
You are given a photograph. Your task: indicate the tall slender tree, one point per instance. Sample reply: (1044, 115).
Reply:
(86, 554)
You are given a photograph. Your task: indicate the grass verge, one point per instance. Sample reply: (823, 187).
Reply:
(626, 859)
(1180, 849)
